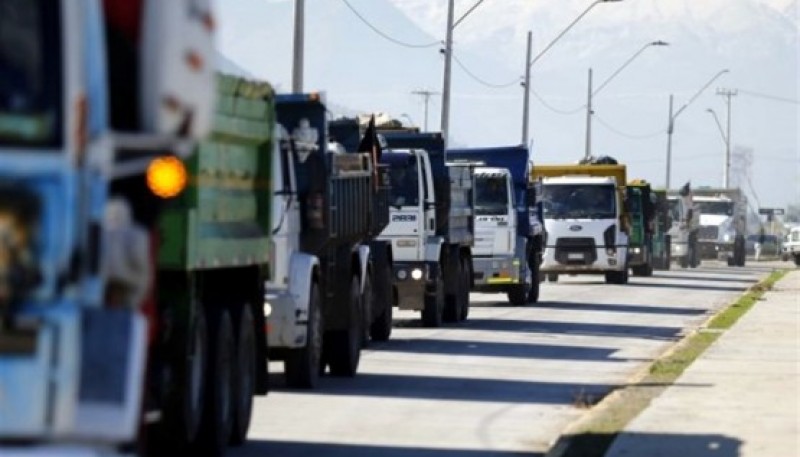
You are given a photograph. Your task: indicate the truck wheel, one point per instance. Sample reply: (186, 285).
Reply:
(301, 365)
(381, 328)
(218, 408)
(244, 379)
(797, 260)
(684, 261)
(452, 302)
(552, 277)
(517, 294)
(344, 346)
(432, 310)
(533, 292)
(367, 298)
(184, 410)
(466, 281)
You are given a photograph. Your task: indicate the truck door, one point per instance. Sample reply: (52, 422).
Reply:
(429, 200)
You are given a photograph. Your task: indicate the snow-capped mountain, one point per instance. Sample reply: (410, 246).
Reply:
(757, 40)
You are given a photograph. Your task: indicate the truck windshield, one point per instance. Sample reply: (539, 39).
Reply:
(491, 196)
(718, 207)
(405, 184)
(30, 73)
(579, 201)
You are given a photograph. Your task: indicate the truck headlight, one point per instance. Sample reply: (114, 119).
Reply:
(402, 274)
(727, 237)
(636, 250)
(267, 309)
(416, 274)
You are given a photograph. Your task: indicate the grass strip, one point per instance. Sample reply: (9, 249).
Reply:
(593, 436)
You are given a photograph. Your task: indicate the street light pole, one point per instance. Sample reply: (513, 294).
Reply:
(726, 164)
(589, 104)
(526, 98)
(672, 117)
(726, 172)
(299, 34)
(529, 63)
(448, 54)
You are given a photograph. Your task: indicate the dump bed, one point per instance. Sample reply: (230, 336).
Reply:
(335, 191)
(513, 158)
(222, 217)
(452, 184)
(349, 134)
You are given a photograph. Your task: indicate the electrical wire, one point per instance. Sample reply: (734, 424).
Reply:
(553, 108)
(769, 97)
(384, 35)
(629, 135)
(480, 80)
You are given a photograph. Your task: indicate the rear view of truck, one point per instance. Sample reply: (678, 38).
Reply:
(641, 211)
(508, 227)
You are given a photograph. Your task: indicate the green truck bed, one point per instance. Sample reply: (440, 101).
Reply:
(222, 218)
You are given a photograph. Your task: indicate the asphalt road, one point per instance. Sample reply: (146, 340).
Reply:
(506, 382)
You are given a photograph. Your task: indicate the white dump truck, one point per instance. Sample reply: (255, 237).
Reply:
(723, 224)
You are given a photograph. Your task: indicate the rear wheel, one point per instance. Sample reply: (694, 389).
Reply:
(434, 302)
(218, 409)
(797, 260)
(302, 364)
(244, 373)
(518, 294)
(343, 347)
(367, 298)
(466, 285)
(381, 328)
(552, 277)
(533, 292)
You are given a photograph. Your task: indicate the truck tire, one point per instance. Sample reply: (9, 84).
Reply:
(343, 347)
(244, 374)
(684, 261)
(533, 292)
(184, 411)
(432, 309)
(552, 277)
(466, 278)
(215, 431)
(452, 302)
(518, 294)
(797, 260)
(302, 365)
(367, 299)
(381, 327)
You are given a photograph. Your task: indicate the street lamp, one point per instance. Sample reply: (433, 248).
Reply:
(529, 63)
(672, 117)
(591, 94)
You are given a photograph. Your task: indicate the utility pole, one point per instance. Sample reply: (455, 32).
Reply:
(426, 95)
(527, 91)
(728, 94)
(670, 129)
(299, 33)
(448, 54)
(589, 119)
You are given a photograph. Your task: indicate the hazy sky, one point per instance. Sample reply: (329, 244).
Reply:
(757, 40)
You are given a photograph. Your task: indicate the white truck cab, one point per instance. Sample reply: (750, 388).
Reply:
(583, 217)
(791, 245)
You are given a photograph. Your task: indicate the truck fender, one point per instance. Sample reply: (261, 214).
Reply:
(363, 264)
(301, 274)
(433, 248)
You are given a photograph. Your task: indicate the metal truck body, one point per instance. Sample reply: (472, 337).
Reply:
(662, 222)
(431, 227)
(685, 225)
(132, 274)
(509, 232)
(585, 220)
(723, 224)
(641, 210)
(321, 290)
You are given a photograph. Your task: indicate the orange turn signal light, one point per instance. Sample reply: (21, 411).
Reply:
(166, 176)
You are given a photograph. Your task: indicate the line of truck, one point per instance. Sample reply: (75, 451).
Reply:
(166, 231)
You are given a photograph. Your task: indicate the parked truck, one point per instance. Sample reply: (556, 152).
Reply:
(509, 232)
(431, 226)
(641, 210)
(131, 264)
(662, 222)
(322, 287)
(685, 226)
(585, 220)
(723, 224)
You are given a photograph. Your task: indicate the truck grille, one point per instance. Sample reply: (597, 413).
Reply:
(576, 251)
(708, 232)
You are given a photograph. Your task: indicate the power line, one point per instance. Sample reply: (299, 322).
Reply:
(555, 109)
(483, 81)
(631, 136)
(769, 97)
(384, 35)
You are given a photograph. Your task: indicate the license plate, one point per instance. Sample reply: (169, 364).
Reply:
(575, 256)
